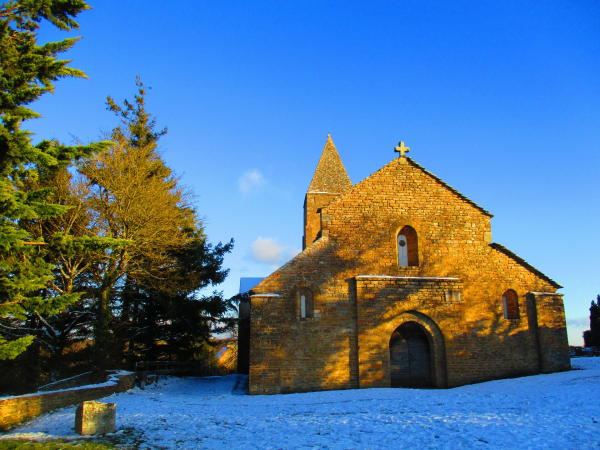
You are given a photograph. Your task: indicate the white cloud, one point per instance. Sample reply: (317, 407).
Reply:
(266, 250)
(579, 322)
(271, 252)
(251, 182)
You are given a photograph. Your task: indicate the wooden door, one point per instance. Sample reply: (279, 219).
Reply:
(410, 357)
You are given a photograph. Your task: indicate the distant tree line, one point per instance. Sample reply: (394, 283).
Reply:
(591, 337)
(102, 253)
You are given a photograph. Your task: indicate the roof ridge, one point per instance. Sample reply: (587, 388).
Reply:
(450, 188)
(502, 249)
(340, 197)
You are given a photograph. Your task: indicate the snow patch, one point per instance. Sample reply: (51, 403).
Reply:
(555, 411)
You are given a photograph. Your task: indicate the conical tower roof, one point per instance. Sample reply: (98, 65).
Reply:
(330, 176)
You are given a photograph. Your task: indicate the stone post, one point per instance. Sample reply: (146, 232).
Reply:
(95, 418)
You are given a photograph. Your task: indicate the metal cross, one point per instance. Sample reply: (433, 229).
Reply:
(402, 149)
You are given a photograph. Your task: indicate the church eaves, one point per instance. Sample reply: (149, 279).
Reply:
(331, 176)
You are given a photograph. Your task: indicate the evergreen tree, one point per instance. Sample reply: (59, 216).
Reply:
(72, 247)
(177, 324)
(27, 71)
(135, 197)
(592, 336)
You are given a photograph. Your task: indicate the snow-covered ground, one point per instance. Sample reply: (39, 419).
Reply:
(556, 411)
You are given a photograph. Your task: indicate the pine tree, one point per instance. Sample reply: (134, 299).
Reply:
(177, 324)
(73, 246)
(28, 71)
(592, 336)
(135, 197)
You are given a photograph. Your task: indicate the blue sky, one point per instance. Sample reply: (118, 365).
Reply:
(499, 99)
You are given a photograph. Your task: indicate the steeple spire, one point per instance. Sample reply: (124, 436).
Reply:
(329, 181)
(330, 176)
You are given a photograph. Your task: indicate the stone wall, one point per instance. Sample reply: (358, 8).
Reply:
(360, 290)
(385, 303)
(313, 204)
(14, 410)
(76, 381)
(550, 331)
(292, 354)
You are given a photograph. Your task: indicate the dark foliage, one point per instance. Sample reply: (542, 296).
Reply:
(28, 71)
(132, 254)
(591, 337)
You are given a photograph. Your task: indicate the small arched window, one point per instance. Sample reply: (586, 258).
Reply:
(306, 303)
(408, 247)
(510, 302)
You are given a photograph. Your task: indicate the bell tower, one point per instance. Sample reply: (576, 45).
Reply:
(329, 181)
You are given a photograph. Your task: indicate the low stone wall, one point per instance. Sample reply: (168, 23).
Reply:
(14, 410)
(77, 381)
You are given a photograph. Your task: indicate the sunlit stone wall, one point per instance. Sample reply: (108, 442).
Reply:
(346, 344)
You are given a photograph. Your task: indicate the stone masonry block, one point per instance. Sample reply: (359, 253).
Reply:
(95, 418)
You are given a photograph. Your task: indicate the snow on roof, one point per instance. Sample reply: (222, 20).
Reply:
(546, 293)
(265, 295)
(409, 278)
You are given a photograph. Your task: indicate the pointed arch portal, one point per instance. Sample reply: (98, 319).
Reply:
(410, 357)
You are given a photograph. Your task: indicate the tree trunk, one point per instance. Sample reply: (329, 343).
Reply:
(101, 332)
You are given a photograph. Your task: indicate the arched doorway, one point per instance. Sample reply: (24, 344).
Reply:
(410, 357)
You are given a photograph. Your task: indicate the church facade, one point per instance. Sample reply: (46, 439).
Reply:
(399, 285)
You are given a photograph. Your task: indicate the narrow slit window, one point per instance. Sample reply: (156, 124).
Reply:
(306, 306)
(510, 304)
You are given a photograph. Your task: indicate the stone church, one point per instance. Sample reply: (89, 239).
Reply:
(399, 285)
